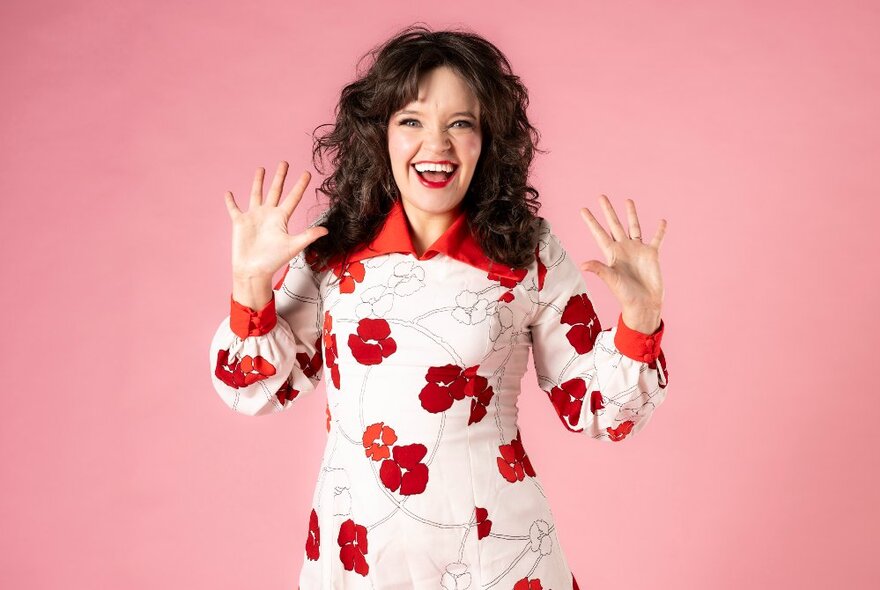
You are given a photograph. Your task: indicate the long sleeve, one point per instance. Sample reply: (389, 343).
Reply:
(262, 361)
(606, 383)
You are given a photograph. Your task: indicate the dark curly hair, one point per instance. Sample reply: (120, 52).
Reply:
(500, 205)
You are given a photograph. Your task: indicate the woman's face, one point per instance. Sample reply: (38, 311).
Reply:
(441, 128)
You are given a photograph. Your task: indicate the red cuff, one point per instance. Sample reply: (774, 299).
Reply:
(638, 345)
(245, 322)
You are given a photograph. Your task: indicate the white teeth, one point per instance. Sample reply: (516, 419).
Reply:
(425, 167)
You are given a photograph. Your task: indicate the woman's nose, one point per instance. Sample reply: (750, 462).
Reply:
(438, 139)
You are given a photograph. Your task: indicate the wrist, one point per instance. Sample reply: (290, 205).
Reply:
(646, 321)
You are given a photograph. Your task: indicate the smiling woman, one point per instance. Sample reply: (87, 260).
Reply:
(445, 97)
(434, 144)
(420, 296)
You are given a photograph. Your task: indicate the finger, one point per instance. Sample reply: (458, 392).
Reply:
(277, 184)
(598, 268)
(658, 237)
(231, 206)
(299, 241)
(613, 222)
(257, 188)
(295, 195)
(635, 231)
(602, 238)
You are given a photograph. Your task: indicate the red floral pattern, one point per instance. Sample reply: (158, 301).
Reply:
(509, 282)
(484, 525)
(286, 392)
(503, 278)
(619, 433)
(330, 348)
(579, 314)
(596, 402)
(373, 341)
(513, 463)
(350, 275)
(242, 372)
(405, 470)
(377, 440)
(310, 365)
(568, 399)
(481, 394)
(313, 541)
(527, 584)
(353, 547)
(446, 384)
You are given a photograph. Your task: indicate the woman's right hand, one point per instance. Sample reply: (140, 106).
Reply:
(260, 242)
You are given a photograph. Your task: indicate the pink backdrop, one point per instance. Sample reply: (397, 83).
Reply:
(751, 126)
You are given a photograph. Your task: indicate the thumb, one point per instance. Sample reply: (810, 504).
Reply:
(597, 268)
(299, 241)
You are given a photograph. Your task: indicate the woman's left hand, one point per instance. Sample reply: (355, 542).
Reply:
(632, 271)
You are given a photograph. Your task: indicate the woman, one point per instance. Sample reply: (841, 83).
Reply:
(418, 296)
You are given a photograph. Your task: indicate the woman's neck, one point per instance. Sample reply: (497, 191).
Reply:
(426, 228)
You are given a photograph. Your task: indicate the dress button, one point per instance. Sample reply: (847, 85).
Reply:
(649, 343)
(648, 358)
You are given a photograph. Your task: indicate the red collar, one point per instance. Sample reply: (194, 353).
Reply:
(456, 242)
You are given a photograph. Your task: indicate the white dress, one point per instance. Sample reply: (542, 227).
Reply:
(425, 480)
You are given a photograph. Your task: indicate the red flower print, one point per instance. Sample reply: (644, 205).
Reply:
(353, 546)
(619, 433)
(596, 402)
(484, 525)
(376, 450)
(286, 392)
(372, 342)
(241, 373)
(445, 385)
(481, 392)
(327, 406)
(510, 283)
(568, 398)
(352, 273)
(406, 457)
(506, 281)
(526, 584)
(579, 314)
(661, 360)
(513, 463)
(310, 365)
(506, 297)
(542, 269)
(330, 348)
(313, 541)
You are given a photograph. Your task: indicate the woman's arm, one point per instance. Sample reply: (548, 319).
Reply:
(263, 360)
(605, 383)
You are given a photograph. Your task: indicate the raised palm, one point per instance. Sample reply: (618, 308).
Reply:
(261, 243)
(632, 268)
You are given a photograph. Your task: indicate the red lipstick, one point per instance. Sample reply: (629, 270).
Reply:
(436, 184)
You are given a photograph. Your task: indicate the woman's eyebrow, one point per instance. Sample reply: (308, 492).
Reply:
(459, 113)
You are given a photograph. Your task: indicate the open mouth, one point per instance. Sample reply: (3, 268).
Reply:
(435, 175)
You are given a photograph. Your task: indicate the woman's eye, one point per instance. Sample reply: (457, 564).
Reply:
(462, 124)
